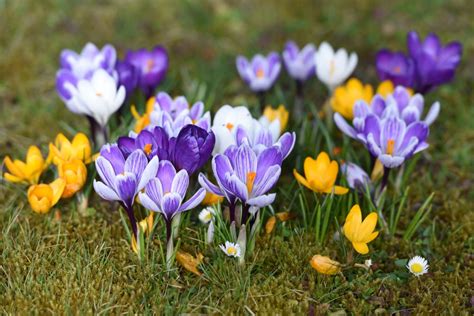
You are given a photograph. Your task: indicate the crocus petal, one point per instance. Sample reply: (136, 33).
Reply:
(105, 192)
(194, 201)
(344, 126)
(361, 248)
(148, 203)
(432, 114)
(170, 204)
(208, 185)
(180, 183)
(262, 200)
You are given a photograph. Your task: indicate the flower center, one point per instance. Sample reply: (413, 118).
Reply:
(250, 180)
(147, 149)
(332, 68)
(260, 73)
(229, 126)
(208, 216)
(390, 146)
(232, 251)
(416, 268)
(98, 93)
(149, 64)
(397, 69)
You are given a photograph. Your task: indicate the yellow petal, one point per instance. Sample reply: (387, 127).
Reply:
(310, 168)
(189, 262)
(385, 88)
(331, 174)
(352, 223)
(325, 265)
(270, 225)
(372, 237)
(302, 180)
(11, 178)
(150, 104)
(13, 168)
(338, 190)
(377, 172)
(57, 186)
(285, 216)
(368, 226)
(361, 247)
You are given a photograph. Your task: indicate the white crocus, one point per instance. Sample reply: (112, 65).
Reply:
(333, 68)
(225, 124)
(99, 97)
(231, 249)
(418, 265)
(206, 215)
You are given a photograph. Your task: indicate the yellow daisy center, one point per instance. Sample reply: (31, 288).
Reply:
(232, 251)
(416, 268)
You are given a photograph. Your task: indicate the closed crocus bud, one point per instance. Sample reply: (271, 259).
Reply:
(325, 265)
(42, 197)
(74, 173)
(128, 76)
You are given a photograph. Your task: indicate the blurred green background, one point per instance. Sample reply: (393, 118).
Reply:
(203, 39)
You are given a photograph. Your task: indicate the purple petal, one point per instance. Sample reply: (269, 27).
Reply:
(245, 162)
(148, 203)
(344, 126)
(180, 183)
(286, 143)
(170, 204)
(166, 173)
(136, 163)
(149, 173)
(105, 171)
(154, 191)
(208, 185)
(193, 201)
(267, 181)
(105, 192)
(262, 200)
(432, 113)
(126, 187)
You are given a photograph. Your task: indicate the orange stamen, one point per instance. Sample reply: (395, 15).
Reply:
(147, 149)
(149, 64)
(397, 69)
(390, 146)
(260, 73)
(250, 180)
(229, 126)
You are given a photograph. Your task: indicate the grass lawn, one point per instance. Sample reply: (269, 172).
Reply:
(83, 264)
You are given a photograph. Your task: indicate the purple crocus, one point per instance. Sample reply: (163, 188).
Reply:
(127, 75)
(435, 64)
(391, 128)
(75, 67)
(166, 192)
(299, 63)
(190, 150)
(152, 66)
(122, 178)
(396, 67)
(241, 174)
(261, 72)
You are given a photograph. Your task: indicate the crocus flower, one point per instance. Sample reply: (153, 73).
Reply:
(206, 215)
(190, 150)
(143, 121)
(74, 173)
(391, 128)
(166, 192)
(28, 171)
(359, 232)
(333, 68)
(212, 199)
(127, 76)
(320, 175)
(225, 124)
(151, 65)
(123, 178)
(345, 96)
(276, 116)
(42, 197)
(76, 67)
(396, 67)
(325, 265)
(356, 177)
(231, 249)
(418, 266)
(299, 63)
(64, 150)
(261, 72)
(435, 64)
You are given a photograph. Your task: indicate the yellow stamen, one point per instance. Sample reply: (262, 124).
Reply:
(147, 149)
(229, 126)
(390, 146)
(98, 94)
(149, 64)
(231, 250)
(397, 69)
(416, 268)
(260, 73)
(250, 180)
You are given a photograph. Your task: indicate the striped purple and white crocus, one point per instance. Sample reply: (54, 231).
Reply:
(122, 179)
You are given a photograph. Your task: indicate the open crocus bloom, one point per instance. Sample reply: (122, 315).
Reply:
(64, 150)
(434, 63)
(190, 150)
(42, 197)
(359, 232)
(174, 114)
(166, 192)
(261, 72)
(76, 67)
(27, 171)
(345, 96)
(225, 124)
(151, 65)
(123, 178)
(74, 173)
(320, 175)
(299, 63)
(396, 67)
(391, 128)
(241, 174)
(333, 68)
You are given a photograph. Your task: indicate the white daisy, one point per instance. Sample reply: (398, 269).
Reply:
(206, 215)
(418, 265)
(231, 249)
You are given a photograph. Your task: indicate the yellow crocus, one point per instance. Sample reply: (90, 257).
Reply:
(74, 173)
(359, 232)
(143, 121)
(345, 97)
(212, 199)
(325, 265)
(42, 197)
(320, 175)
(63, 150)
(28, 171)
(386, 87)
(279, 113)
